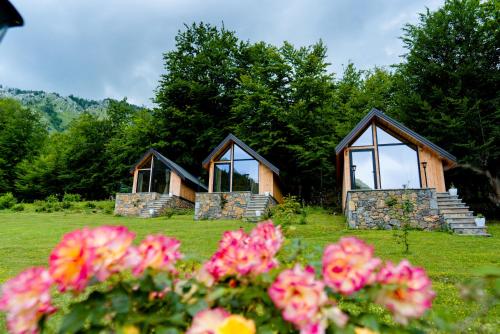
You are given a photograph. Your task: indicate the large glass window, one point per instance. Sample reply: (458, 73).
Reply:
(161, 177)
(239, 173)
(143, 177)
(366, 138)
(222, 177)
(158, 181)
(246, 176)
(363, 169)
(398, 167)
(384, 138)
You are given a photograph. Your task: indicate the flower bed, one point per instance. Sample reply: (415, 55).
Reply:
(243, 288)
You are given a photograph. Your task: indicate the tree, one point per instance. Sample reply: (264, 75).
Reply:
(22, 134)
(447, 86)
(196, 93)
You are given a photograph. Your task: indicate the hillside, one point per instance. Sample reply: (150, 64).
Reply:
(58, 111)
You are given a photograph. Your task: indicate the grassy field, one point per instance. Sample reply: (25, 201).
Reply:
(27, 238)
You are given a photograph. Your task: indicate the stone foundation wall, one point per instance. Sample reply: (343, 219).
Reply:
(179, 203)
(221, 205)
(130, 204)
(381, 209)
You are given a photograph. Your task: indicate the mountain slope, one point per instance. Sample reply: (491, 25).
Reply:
(58, 111)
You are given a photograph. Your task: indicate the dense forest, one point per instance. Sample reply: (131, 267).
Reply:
(284, 102)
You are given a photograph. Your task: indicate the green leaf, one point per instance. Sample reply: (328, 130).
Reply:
(75, 320)
(197, 307)
(370, 321)
(167, 330)
(120, 302)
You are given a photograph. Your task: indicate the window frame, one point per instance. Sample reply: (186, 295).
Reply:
(231, 165)
(376, 160)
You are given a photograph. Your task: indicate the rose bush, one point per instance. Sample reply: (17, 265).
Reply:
(242, 289)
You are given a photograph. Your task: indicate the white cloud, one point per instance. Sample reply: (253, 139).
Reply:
(114, 48)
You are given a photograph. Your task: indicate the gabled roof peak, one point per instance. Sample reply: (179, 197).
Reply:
(183, 174)
(232, 138)
(374, 114)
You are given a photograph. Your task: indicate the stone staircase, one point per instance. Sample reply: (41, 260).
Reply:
(257, 204)
(155, 208)
(458, 216)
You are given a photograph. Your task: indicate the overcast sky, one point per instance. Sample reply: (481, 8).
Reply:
(113, 48)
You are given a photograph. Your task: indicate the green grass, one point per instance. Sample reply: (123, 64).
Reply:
(27, 238)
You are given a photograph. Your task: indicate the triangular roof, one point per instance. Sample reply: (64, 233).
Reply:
(245, 147)
(183, 174)
(374, 114)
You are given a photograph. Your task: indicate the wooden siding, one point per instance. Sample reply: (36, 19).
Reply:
(435, 173)
(266, 180)
(211, 178)
(187, 192)
(277, 194)
(134, 185)
(346, 180)
(175, 184)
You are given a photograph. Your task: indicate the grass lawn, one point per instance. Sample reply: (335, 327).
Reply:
(27, 238)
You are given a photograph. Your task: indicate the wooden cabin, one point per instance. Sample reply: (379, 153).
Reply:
(234, 167)
(154, 173)
(381, 153)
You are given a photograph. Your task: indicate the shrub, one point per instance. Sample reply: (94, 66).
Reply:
(169, 212)
(289, 212)
(72, 198)
(18, 207)
(66, 205)
(7, 201)
(144, 288)
(89, 205)
(52, 199)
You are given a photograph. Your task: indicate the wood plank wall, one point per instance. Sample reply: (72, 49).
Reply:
(435, 172)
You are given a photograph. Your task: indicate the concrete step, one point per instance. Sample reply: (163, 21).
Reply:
(479, 231)
(455, 211)
(445, 201)
(452, 207)
(458, 215)
(461, 219)
(454, 225)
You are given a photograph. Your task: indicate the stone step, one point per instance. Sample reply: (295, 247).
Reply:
(454, 206)
(445, 194)
(479, 231)
(458, 214)
(256, 206)
(454, 225)
(468, 218)
(445, 211)
(449, 201)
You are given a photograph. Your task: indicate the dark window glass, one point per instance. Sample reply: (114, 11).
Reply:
(366, 138)
(364, 174)
(161, 177)
(246, 176)
(398, 167)
(239, 154)
(222, 177)
(226, 156)
(143, 181)
(385, 138)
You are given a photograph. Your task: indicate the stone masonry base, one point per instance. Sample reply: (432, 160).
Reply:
(382, 209)
(221, 205)
(133, 204)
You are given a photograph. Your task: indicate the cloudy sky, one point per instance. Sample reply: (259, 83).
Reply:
(113, 48)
